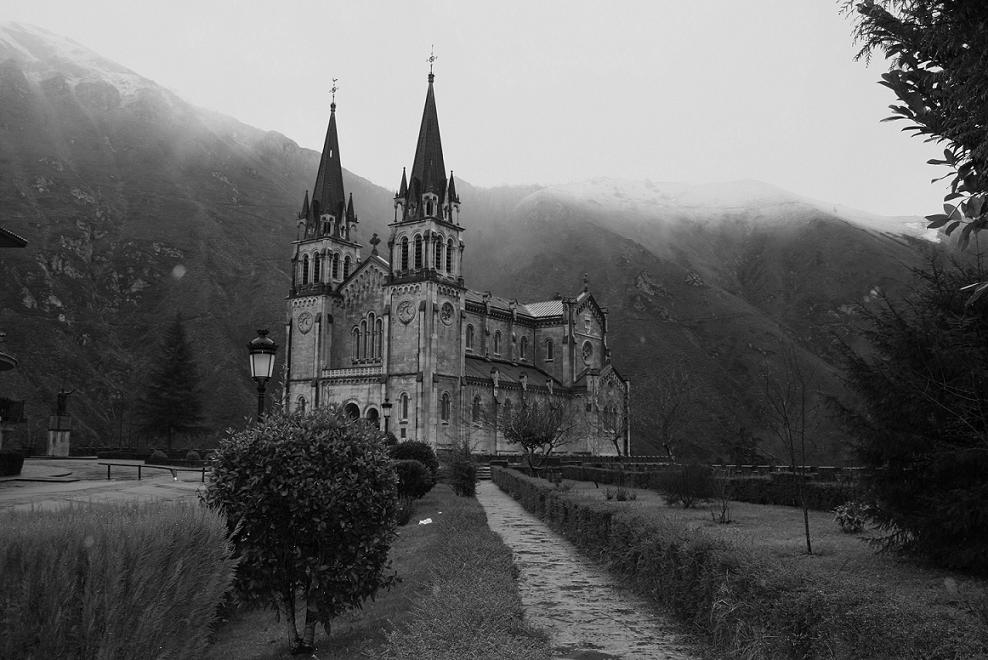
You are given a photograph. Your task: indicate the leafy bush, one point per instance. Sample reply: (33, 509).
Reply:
(851, 517)
(781, 489)
(406, 507)
(157, 455)
(414, 479)
(11, 463)
(417, 451)
(193, 455)
(311, 501)
(111, 581)
(462, 472)
(686, 485)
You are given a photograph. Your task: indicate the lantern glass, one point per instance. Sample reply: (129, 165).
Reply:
(261, 365)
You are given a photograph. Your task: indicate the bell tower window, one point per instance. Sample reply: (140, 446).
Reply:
(404, 253)
(438, 255)
(316, 269)
(336, 265)
(449, 256)
(346, 266)
(305, 270)
(418, 252)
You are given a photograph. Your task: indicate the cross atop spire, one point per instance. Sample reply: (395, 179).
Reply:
(333, 91)
(432, 60)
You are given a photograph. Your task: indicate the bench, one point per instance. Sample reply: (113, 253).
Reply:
(140, 466)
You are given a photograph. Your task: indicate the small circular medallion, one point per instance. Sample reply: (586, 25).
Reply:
(304, 322)
(406, 311)
(446, 313)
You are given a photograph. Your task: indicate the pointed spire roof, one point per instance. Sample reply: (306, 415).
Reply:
(428, 169)
(451, 190)
(350, 216)
(305, 206)
(403, 190)
(328, 191)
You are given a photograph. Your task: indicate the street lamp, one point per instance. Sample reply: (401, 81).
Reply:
(386, 407)
(261, 350)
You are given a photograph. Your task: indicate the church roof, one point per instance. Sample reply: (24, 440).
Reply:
(545, 308)
(508, 372)
(328, 191)
(9, 239)
(428, 169)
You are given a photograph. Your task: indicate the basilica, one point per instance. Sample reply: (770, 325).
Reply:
(398, 338)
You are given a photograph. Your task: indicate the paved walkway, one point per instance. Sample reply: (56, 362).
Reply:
(45, 484)
(584, 609)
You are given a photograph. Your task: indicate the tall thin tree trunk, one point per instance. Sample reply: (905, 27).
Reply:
(288, 600)
(311, 619)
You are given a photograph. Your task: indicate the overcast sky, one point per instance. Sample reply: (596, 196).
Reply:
(538, 92)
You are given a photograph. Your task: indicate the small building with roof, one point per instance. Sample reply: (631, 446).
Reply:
(400, 326)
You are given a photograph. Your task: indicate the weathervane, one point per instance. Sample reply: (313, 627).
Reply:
(432, 57)
(334, 89)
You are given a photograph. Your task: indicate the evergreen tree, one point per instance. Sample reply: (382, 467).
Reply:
(923, 429)
(171, 402)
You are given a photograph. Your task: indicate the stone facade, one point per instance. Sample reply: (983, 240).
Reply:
(405, 329)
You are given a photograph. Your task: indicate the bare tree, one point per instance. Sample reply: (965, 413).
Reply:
(785, 412)
(666, 407)
(539, 428)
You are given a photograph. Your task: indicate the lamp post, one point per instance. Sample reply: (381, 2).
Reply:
(261, 349)
(386, 407)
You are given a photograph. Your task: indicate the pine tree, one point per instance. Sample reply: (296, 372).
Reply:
(171, 402)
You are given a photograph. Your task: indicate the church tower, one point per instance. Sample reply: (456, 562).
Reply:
(427, 293)
(325, 255)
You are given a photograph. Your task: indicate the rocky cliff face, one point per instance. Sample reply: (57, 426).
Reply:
(138, 205)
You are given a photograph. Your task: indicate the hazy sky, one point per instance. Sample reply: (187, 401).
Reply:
(538, 92)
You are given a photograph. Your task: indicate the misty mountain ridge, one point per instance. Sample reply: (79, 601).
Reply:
(138, 206)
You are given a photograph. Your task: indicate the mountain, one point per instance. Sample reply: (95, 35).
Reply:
(138, 206)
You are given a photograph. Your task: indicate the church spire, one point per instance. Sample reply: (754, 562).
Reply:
(327, 195)
(428, 169)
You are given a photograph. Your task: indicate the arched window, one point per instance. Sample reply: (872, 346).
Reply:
(356, 343)
(379, 330)
(404, 253)
(444, 407)
(418, 252)
(336, 265)
(469, 337)
(523, 348)
(548, 350)
(346, 267)
(403, 406)
(497, 342)
(475, 410)
(305, 270)
(371, 336)
(300, 405)
(363, 335)
(316, 268)
(437, 261)
(449, 256)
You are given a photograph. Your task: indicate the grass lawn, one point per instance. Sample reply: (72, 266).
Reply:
(776, 532)
(457, 599)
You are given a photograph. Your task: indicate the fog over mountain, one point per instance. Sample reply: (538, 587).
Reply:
(139, 206)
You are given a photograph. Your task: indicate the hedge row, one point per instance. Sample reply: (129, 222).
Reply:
(742, 603)
(778, 489)
(120, 581)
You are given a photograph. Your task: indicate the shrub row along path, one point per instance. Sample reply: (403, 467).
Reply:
(586, 612)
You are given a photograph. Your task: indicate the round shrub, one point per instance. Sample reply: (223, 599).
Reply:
(310, 500)
(419, 451)
(414, 478)
(193, 455)
(157, 455)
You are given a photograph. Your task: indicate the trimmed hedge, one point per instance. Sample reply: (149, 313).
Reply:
(11, 463)
(742, 603)
(779, 489)
(111, 581)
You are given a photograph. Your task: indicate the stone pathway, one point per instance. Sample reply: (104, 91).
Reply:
(582, 607)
